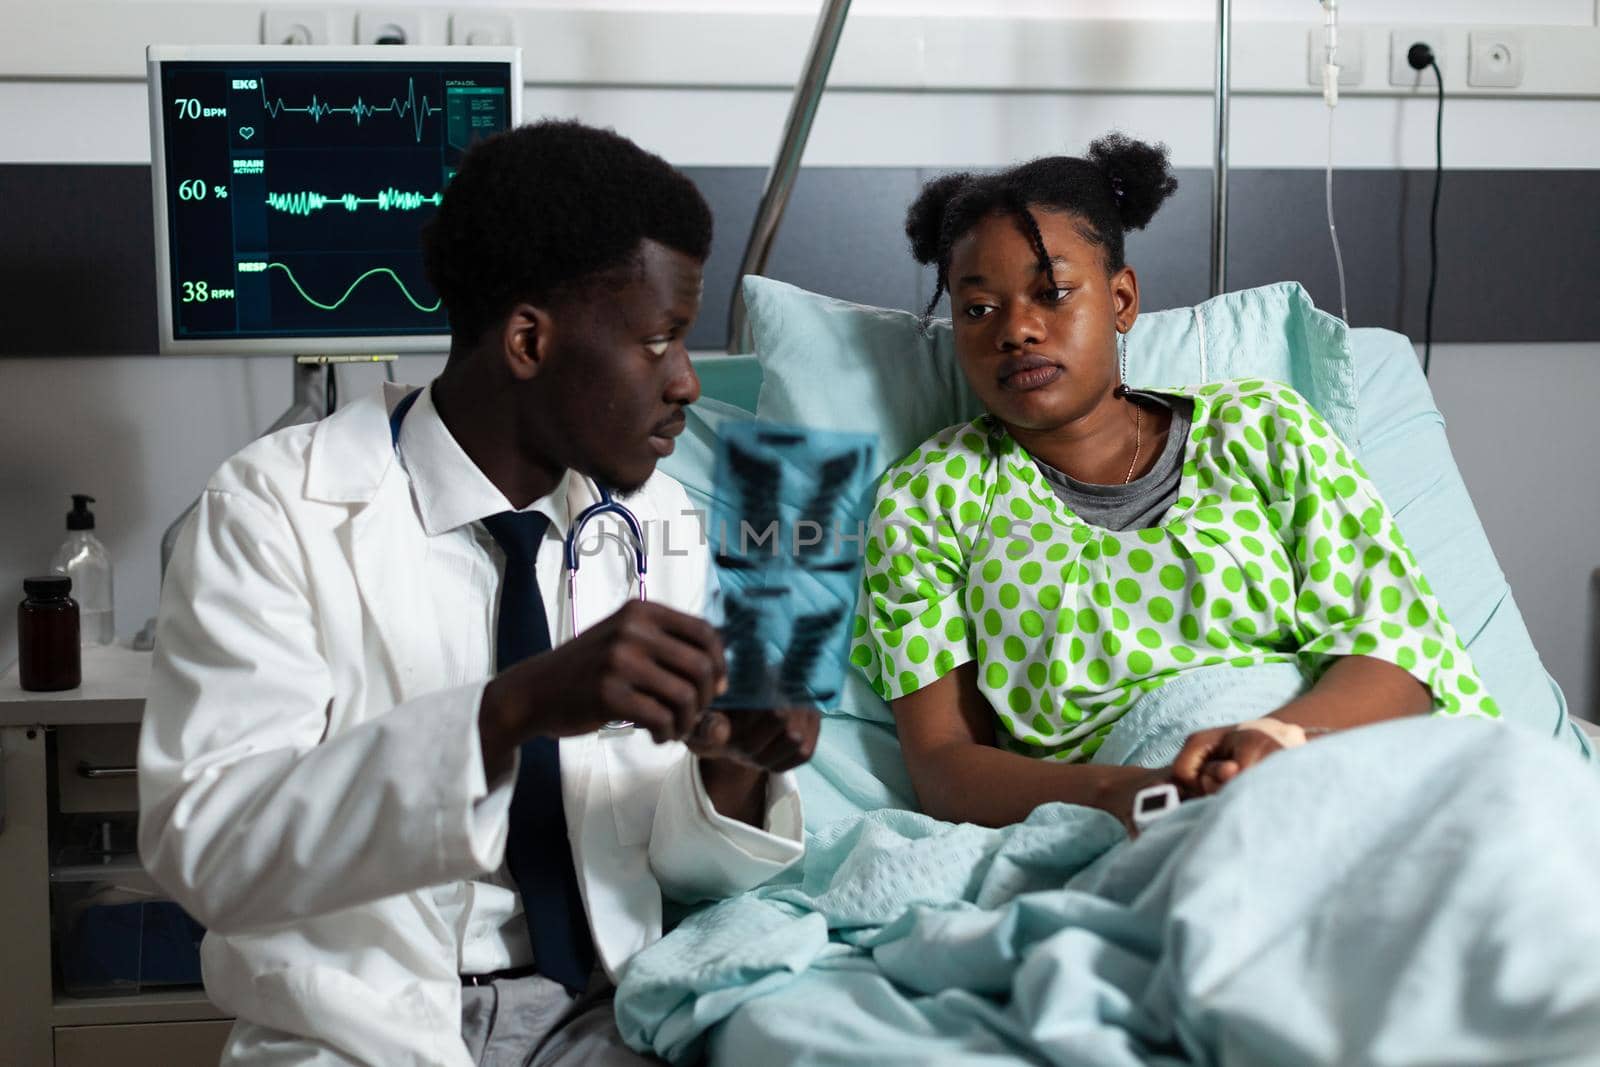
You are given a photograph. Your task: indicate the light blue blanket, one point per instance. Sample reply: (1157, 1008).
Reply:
(1412, 893)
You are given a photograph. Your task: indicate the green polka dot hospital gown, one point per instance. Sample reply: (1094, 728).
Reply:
(1277, 549)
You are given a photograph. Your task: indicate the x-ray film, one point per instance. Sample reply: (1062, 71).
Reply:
(786, 525)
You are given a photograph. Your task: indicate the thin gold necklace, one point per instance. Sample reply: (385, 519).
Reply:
(1138, 443)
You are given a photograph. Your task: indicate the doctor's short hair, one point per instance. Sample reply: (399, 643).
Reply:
(1116, 187)
(543, 211)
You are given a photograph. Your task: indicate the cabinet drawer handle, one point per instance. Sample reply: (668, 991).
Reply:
(89, 770)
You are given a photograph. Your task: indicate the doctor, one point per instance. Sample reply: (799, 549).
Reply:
(404, 819)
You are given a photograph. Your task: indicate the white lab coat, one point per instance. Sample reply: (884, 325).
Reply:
(303, 782)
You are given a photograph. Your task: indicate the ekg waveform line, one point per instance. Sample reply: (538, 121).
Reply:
(391, 199)
(419, 110)
(314, 302)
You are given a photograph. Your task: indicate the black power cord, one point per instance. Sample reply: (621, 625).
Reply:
(1421, 58)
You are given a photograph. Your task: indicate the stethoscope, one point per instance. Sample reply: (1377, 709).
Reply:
(570, 556)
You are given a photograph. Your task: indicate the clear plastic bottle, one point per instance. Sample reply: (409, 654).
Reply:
(85, 560)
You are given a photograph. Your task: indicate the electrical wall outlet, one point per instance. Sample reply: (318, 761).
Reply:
(1400, 42)
(483, 28)
(294, 26)
(388, 27)
(1352, 56)
(1495, 59)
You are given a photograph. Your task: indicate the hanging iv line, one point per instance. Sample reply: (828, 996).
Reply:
(1330, 96)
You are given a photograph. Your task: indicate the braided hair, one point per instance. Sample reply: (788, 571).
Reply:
(1116, 187)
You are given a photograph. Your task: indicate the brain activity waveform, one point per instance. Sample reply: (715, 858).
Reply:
(417, 108)
(425, 308)
(391, 199)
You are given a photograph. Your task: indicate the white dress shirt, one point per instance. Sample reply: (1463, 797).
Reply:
(462, 573)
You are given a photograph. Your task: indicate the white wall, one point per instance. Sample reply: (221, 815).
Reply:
(43, 123)
(141, 433)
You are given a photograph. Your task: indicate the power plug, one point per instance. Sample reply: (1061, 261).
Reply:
(1410, 49)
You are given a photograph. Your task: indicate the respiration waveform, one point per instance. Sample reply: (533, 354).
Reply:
(418, 109)
(314, 302)
(391, 199)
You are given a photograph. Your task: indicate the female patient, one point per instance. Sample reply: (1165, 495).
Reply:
(1032, 573)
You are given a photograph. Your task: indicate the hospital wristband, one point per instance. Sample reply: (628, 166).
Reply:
(1287, 734)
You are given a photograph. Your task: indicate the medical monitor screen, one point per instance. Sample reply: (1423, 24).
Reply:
(291, 194)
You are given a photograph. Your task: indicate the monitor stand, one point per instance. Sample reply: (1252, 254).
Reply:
(306, 406)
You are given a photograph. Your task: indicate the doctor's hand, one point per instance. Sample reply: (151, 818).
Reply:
(737, 749)
(648, 664)
(779, 739)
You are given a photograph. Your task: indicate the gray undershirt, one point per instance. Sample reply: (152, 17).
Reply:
(1143, 502)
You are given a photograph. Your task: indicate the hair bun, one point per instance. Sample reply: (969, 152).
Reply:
(1140, 176)
(925, 217)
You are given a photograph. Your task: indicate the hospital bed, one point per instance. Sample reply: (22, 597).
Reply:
(950, 978)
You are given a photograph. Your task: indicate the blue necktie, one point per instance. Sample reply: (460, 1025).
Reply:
(537, 850)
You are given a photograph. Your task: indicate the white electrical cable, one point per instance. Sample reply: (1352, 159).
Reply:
(1330, 96)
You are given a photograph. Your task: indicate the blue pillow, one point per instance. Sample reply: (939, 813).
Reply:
(833, 364)
(841, 366)
(732, 380)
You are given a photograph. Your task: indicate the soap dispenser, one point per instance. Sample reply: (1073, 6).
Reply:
(85, 560)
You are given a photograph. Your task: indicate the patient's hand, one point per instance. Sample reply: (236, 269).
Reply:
(1212, 758)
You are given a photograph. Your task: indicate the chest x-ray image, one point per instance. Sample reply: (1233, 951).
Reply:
(785, 527)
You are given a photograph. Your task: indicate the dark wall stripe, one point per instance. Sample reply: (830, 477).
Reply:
(1519, 250)
(77, 260)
